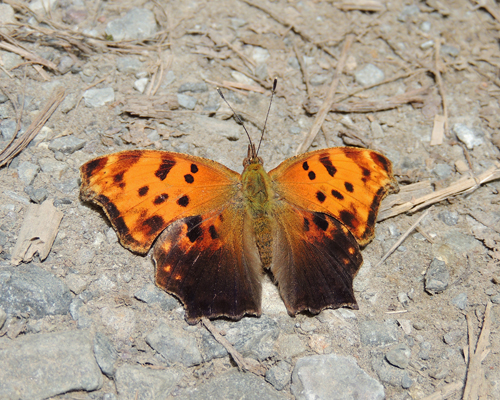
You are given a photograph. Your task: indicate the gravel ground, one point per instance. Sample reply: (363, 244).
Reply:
(87, 321)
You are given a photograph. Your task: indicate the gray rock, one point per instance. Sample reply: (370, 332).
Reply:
(99, 97)
(408, 11)
(261, 71)
(460, 241)
(76, 283)
(85, 256)
(67, 144)
(233, 385)
(187, 102)
(128, 65)
(252, 337)
(151, 294)
(3, 317)
(279, 375)
(138, 24)
(8, 128)
(175, 345)
(399, 356)
(470, 137)
(213, 102)
(36, 195)
(135, 382)
(318, 80)
(51, 364)
(55, 168)
(209, 347)
(425, 348)
(450, 50)
(16, 197)
(443, 171)
(65, 64)
(27, 172)
(290, 346)
(140, 84)
(437, 277)
(105, 354)
(193, 87)
(453, 337)
(30, 289)
(68, 103)
(375, 333)
(333, 377)
(439, 373)
(67, 186)
(3, 98)
(386, 372)
(460, 301)
(406, 381)
(369, 75)
(450, 218)
(495, 299)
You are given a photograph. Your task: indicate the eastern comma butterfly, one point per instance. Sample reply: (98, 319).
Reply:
(219, 230)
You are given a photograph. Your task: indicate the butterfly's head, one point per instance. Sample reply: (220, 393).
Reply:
(252, 157)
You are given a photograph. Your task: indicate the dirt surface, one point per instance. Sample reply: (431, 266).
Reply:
(230, 43)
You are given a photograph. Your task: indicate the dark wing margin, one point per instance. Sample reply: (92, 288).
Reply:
(211, 263)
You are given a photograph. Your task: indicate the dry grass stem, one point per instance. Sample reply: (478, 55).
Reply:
(361, 5)
(439, 80)
(327, 103)
(303, 69)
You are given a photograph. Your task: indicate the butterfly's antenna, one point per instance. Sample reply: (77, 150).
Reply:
(275, 82)
(237, 118)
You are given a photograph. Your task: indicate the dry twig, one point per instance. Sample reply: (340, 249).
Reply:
(437, 74)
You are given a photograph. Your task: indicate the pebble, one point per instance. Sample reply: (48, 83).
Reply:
(406, 381)
(460, 301)
(68, 103)
(408, 11)
(67, 144)
(443, 171)
(279, 375)
(437, 277)
(450, 50)
(259, 54)
(386, 372)
(450, 218)
(3, 317)
(193, 87)
(399, 356)
(318, 377)
(105, 354)
(209, 347)
(140, 84)
(16, 197)
(136, 382)
(6, 14)
(8, 128)
(99, 97)
(187, 102)
(151, 294)
(495, 299)
(128, 65)
(30, 289)
(233, 385)
(425, 26)
(468, 136)
(213, 103)
(137, 24)
(439, 373)
(318, 80)
(27, 172)
(369, 75)
(40, 6)
(453, 336)
(261, 71)
(375, 333)
(425, 348)
(175, 345)
(51, 364)
(290, 346)
(65, 64)
(76, 283)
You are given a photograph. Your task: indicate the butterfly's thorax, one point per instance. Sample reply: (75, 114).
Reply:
(258, 195)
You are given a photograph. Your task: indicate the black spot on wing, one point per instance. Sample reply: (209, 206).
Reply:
(143, 191)
(194, 168)
(381, 161)
(213, 232)
(349, 187)
(305, 165)
(94, 166)
(312, 175)
(306, 225)
(183, 201)
(194, 230)
(320, 221)
(327, 163)
(347, 218)
(118, 177)
(160, 199)
(372, 215)
(189, 178)
(366, 172)
(337, 195)
(154, 223)
(114, 214)
(166, 165)
(320, 196)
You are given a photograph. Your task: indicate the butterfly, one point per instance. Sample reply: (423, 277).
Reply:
(217, 231)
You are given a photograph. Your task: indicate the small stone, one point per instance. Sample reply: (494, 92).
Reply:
(369, 75)
(443, 171)
(450, 50)
(67, 144)
(193, 87)
(495, 299)
(436, 277)
(453, 337)
(140, 84)
(136, 382)
(293, 62)
(427, 44)
(65, 64)
(406, 381)
(27, 172)
(99, 97)
(468, 136)
(151, 294)
(187, 102)
(450, 218)
(439, 373)
(37, 196)
(375, 333)
(290, 346)
(261, 71)
(105, 354)
(68, 103)
(460, 301)
(3, 317)
(76, 283)
(8, 129)
(425, 26)
(237, 23)
(260, 55)
(408, 11)
(425, 348)
(175, 345)
(399, 356)
(137, 24)
(403, 299)
(128, 65)
(279, 375)
(318, 377)
(308, 326)
(318, 80)
(85, 256)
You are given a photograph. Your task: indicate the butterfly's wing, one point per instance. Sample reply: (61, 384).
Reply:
(207, 255)
(143, 191)
(315, 259)
(211, 263)
(345, 182)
